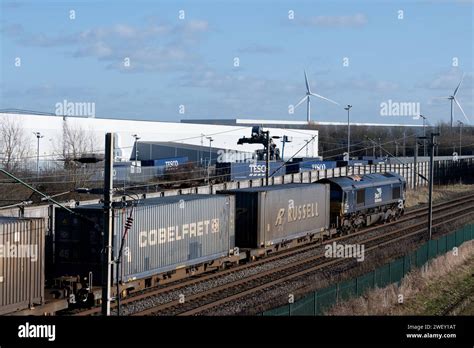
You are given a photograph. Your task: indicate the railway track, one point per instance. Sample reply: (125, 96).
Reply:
(176, 298)
(224, 294)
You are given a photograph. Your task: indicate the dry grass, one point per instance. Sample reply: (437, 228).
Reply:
(440, 193)
(447, 268)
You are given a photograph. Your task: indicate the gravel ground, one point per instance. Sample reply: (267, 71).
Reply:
(440, 194)
(249, 306)
(232, 277)
(212, 283)
(279, 295)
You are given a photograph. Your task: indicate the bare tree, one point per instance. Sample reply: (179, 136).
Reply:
(15, 145)
(76, 142)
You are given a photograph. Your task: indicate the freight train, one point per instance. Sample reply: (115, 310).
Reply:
(170, 238)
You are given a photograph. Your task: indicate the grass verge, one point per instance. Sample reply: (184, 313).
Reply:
(445, 285)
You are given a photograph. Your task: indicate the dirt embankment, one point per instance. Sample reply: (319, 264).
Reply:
(440, 193)
(443, 286)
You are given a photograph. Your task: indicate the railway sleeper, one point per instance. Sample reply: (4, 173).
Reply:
(319, 236)
(93, 296)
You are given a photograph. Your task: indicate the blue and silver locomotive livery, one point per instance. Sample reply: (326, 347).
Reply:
(361, 200)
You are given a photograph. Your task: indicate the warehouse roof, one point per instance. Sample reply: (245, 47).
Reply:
(174, 144)
(290, 123)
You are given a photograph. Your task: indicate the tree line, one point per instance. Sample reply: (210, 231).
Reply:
(381, 141)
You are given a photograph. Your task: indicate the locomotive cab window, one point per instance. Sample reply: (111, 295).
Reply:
(396, 192)
(360, 199)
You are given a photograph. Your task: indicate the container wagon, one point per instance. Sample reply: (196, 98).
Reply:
(21, 263)
(270, 218)
(170, 238)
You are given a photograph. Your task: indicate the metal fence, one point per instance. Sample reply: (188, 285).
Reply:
(316, 303)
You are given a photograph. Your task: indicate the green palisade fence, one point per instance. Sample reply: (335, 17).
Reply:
(382, 276)
(325, 298)
(317, 302)
(305, 306)
(347, 289)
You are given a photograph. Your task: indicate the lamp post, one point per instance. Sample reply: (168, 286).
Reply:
(380, 148)
(460, 136)
(210, 157)
(307, 143)
(424, 134)
(136, 148)
(284, 140)
(433, 143)
(348, 108)
(200, 151)
(38, 136)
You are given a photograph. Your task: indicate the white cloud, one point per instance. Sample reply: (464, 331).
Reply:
(197, 26)
(356, 20)
(449, 80)
(260, 49)
(151, 47)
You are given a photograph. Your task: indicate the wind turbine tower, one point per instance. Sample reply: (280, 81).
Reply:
(453, 98)
(308, 96)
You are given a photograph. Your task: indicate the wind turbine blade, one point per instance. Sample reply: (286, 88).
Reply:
(460, 108)
(329, 100)
(307, 84)
(456, 90)
(302, 100)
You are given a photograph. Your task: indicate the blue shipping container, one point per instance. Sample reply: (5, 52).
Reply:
(317, 165)
(352, 163)
(248, 170)
(165, 162)
(304, 166)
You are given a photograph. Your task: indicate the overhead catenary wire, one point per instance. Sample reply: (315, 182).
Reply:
(287, 162)
(203, 177)
(35, 190)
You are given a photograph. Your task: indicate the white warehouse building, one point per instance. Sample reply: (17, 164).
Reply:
(92, 131)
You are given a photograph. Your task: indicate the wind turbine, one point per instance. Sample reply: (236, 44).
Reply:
(308, 101)
(453, 98)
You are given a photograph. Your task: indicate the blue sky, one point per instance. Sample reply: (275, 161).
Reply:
(190, 61)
